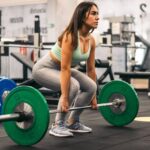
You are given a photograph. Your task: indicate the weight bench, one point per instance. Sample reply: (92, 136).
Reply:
(23, 59)
(98, 64)
(127, 76)
(108, 72)
(26, 62)
(51, 96)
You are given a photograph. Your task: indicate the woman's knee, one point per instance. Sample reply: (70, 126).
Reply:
(93, 87)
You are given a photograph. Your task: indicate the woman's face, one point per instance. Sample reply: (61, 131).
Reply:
(92, 17)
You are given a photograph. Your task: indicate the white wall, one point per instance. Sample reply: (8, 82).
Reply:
(59, 12)
(129, 8)
(64, 9)
(4, 3)
(51, 20)
(18, 21)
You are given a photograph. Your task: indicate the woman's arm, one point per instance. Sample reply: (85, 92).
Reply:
(91, 61)
(66, 59)
(91, 69)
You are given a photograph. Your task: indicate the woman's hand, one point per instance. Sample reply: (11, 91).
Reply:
(64, 104)
(94, 103)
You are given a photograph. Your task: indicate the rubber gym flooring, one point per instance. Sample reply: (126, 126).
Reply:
(104, 136)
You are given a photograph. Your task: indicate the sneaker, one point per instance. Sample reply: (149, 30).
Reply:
(79, 127)
(60, 130)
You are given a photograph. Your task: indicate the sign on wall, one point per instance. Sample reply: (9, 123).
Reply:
(18, 21)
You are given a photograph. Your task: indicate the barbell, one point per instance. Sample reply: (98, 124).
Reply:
(26, 114)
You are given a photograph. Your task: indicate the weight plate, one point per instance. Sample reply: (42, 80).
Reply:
(31, 101)
(5, 86)
(126, 112)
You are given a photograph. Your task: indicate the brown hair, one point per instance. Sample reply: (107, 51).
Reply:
(77, 22)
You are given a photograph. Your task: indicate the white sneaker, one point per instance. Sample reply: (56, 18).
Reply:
(79, 127)
(60, 130)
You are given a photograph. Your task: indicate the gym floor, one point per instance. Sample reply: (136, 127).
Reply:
(104, 136)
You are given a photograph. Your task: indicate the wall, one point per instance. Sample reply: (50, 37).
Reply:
(4, 3)
(18, 21)
(129, 8)
(58, 13)
(64, 9)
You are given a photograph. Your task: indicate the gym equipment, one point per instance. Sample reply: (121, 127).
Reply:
(26, 125)
(123, 114)
(127, 76)
(99, 64)
(32, 119)
(6, 85)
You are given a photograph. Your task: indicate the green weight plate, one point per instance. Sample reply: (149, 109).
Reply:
(29, 100)
(125, 113)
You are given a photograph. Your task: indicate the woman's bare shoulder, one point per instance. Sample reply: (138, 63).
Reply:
(67, 37)
(92, 40)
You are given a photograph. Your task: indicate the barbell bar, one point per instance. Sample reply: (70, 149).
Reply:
(117, 102)
(26, 113)
(19, 116)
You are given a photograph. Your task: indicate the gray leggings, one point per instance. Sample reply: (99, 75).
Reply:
(82, 88)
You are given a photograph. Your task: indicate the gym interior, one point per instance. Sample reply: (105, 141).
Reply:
(29, 29)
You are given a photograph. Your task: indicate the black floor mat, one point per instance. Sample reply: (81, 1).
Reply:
(104, 136)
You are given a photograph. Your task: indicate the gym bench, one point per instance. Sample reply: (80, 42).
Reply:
(127, 76)
(26, 62)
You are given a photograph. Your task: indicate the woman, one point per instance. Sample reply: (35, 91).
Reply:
(54, 70)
